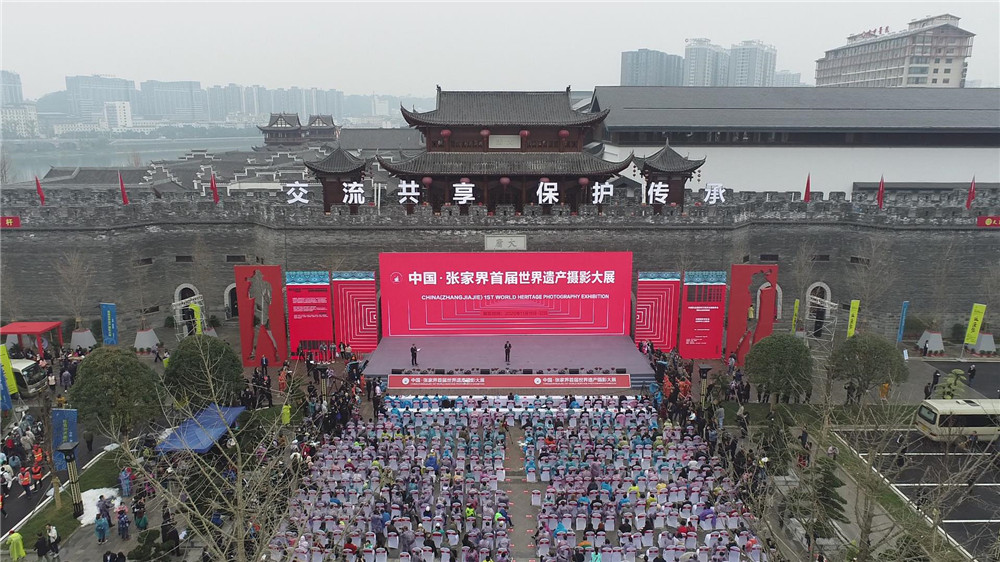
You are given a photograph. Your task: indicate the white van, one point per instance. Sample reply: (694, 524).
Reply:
(30, 377)
(955, 420)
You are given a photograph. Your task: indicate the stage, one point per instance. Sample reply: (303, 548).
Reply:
(466, 363)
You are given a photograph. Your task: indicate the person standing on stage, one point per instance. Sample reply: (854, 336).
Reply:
(413, 355)
(506, 351)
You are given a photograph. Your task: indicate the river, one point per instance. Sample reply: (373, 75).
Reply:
(26, 165)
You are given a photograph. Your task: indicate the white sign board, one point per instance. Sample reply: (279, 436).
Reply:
(506, 242)
(505, 142)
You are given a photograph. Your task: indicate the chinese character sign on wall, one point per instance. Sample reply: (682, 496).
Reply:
(354, 193)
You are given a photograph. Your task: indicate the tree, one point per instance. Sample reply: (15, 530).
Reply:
(6, 174)
(773, 441)
(802, 275)
(867, 360)
(952, 386)
(780, 362)
(114, 392)
(816, 501)
(76, 276)
(203, 370)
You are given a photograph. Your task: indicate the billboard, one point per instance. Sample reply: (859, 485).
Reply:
(310, 320)
(355, 309)
(703, 314)
(742, 331)
(262, 314)
(657, 298)
(516, 293)
(476, 382)
(109, 323)
(63, 431)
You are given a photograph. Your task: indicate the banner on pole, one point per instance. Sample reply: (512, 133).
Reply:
(975, 323)
(6, 403)
(902, 321)
(196, 310)
(852, 321)
(63, 431)
(8, 371)
(795, 314)
(109, 323)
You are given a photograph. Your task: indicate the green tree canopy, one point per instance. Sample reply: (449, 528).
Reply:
(114, 391)
(868, 360)
(203, 370)
(782, 363)
(817, 501)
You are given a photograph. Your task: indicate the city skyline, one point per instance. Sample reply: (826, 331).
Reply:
(407, 61)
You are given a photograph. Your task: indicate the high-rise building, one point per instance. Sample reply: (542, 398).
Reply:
(20, 120)
(88, 94)
(10, 88)
(705, 64)
(182, 101)
(931, 53)
(118, 114)
(217, 106)
(787, 79)
(646, 67)
(751, 63)
(234, 99)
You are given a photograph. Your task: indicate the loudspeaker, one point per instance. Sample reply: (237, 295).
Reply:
(438, 371)
(397, 371)
(620, 371)
(574, 371)
(484, 371)
(527, 371)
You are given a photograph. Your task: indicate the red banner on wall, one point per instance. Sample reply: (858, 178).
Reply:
(518, 293)
(988, 221)
(262, 314)
(744, 282)
(656, 302)
(703, 315)
(355, 308)
(10, 222)
(473, 382)
(310, 316)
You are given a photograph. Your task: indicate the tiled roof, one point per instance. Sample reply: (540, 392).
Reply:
(338, 162)
(637, 108)
(316, 121)
(505, 164)
(385, 139)
(291, 121)
(488, 109)
(95, 176)
(668, 160)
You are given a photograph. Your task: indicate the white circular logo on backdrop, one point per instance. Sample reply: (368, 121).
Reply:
(538, 380)
(406, 380)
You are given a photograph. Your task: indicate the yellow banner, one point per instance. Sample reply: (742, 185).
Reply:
(8, 371)
(196, 308)
(852, 321)
(795, 315)
(975, 322)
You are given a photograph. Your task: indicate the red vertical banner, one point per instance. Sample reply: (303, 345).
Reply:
(310, 313)
(355, 310)
(657, 298)
(742, 331)
(703, 314)
(262, 314)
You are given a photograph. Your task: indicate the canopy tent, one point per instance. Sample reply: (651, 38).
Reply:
(32, 329)
(199, 433)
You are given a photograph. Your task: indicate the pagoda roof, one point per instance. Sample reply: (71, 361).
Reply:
(321, 121)
(668, 160)
(338, 162)
(283, 122)
(495, 109)
(505, 164)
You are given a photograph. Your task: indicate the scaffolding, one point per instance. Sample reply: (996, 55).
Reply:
(185, 323)
(821, 329)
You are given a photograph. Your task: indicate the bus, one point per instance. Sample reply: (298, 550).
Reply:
(955, 420)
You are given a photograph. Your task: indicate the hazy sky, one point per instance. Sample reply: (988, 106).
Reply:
(408, 48)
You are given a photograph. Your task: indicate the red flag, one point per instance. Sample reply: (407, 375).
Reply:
(41, 194)
(808, 196)
(121, 184)
(972, 194)
(881, 192)
(215, 191)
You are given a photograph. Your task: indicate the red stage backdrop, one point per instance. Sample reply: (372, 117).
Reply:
(743, 294)
(703, 314)
(355, 309)
(310, 320)
(262, 314)
(517, 293)
(473, 382)
(656, 301)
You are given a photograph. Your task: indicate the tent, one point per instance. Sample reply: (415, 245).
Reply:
(32, 329)
(200, 433)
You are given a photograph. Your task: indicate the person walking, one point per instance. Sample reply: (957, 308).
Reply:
(101, 529)
(506, 351)
(53, 536)
(413, 354)
(928, 390)
(972, 373)
(263, 364)
(936, 378)
(88, 438)
(123, 524)
(42, 546)
(15, 547)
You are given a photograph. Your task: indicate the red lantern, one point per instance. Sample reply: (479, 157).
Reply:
(505, 181)
(545, 180)
(525, 133)
(584, 182)
(465, 180)
(427, 181)
(563, 134)
(446, 133)
(484, 133)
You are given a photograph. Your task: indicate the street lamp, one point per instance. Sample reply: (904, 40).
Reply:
(68, 449)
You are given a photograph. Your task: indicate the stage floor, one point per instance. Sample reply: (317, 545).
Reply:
(538, 353)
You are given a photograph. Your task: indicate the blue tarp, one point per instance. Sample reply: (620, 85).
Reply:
(199, 433)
